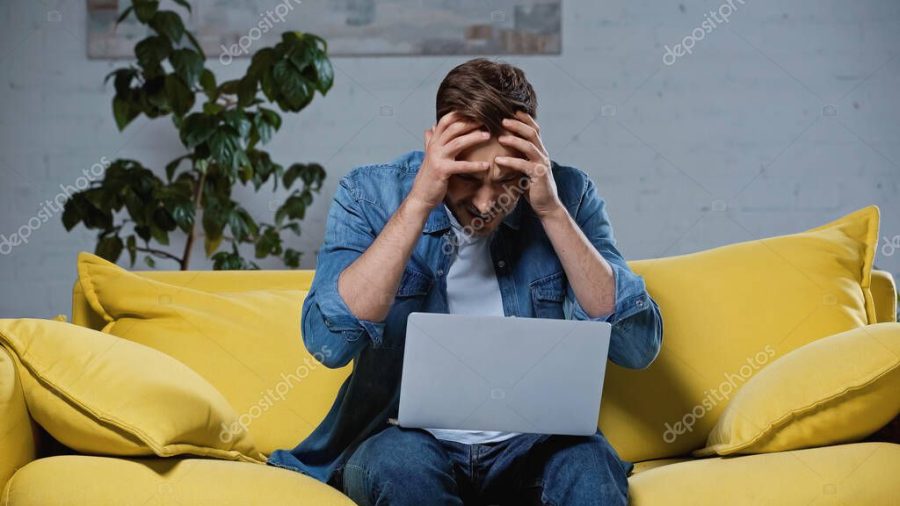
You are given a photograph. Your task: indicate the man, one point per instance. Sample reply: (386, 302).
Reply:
(480, 222)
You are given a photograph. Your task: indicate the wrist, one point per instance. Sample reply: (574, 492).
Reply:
(553, 214)
(416, 207)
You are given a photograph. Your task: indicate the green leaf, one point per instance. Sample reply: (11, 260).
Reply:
(246, 91)
(168, 23)
(237, 119)
(213, 108)
(214, 219)
(241, 224)
(263, 129)
(311, 174)
(196, 129)
(293, 226)
(155, 99)
(292, 258)
(271, 117)
(188, 65)
(181, 99)
(195, 43)
(109, 248)
(208, 83)
(268, 243)
(145, 9)
(71, 213)
(123, 79)
(173, 165)
(183, 212)
(160, 235)
(123, 112)
(293, 88)
(152, 50)
(149, 261)
(184, 4)
(222, 147)
(325, 74)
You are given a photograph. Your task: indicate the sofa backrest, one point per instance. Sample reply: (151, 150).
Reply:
(883, 291)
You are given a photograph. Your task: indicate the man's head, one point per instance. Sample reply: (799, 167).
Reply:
(485, 92)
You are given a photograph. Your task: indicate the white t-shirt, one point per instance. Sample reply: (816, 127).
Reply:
(472, 288)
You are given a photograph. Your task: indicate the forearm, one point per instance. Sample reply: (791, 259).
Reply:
(589, 274)
(369, 284)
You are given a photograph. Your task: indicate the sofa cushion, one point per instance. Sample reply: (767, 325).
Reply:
(77, 480)
(99, 394)
(728, 312)
(859, 474)
(17, 444)
(837, 389)
(247, 344)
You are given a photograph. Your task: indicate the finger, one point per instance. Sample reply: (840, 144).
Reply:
(457, 145)
(457, 129)
(428, 135)
(523, 130)
(527, 167)
(446, 120)
(527, 119)
(521, 145)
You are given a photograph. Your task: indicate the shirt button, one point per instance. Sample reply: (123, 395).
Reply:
(440, 272)
(501, 264)
(640, 302)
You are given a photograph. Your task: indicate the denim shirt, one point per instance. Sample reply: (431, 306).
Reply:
(532, 284)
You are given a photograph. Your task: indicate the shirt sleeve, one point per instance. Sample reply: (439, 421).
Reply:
(330, 329)
(636, 321)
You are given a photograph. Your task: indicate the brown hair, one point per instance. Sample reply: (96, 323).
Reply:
(485, 91)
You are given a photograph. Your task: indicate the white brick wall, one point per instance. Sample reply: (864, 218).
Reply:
(732, 142)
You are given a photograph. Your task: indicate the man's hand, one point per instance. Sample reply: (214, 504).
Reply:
(443, 142)
(526, 139)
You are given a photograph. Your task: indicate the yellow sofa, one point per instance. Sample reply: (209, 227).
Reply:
(35, 470)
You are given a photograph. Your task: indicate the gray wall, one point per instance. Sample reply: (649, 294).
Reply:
(783, 118)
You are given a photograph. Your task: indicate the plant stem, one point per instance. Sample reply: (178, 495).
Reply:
(198, 194)
(164, 254)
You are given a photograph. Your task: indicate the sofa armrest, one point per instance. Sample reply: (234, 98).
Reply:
(884, 292)
(18, 432)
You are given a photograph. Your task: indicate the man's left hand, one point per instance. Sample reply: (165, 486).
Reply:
(526, 139)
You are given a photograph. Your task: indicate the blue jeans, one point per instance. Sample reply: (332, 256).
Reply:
(400, 466)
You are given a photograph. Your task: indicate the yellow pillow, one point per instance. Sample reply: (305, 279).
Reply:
(99, 394)
(837, 389)
(727, 312)
(247, 344)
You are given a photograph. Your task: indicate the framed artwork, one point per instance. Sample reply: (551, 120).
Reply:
(236, 28)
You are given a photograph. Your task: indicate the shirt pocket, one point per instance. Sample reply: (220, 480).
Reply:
(414, 283)
(411, 294)
(548, 294)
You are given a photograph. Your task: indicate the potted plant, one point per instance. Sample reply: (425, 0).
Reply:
(222, 127)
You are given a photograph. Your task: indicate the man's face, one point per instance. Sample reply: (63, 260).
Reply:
(480, 200)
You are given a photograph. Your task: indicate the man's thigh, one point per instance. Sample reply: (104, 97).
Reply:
(570, 470)
(399, 462)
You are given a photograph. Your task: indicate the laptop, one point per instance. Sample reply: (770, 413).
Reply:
(495, 373)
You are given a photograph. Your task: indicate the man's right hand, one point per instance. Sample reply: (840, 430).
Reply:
(443, 143)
